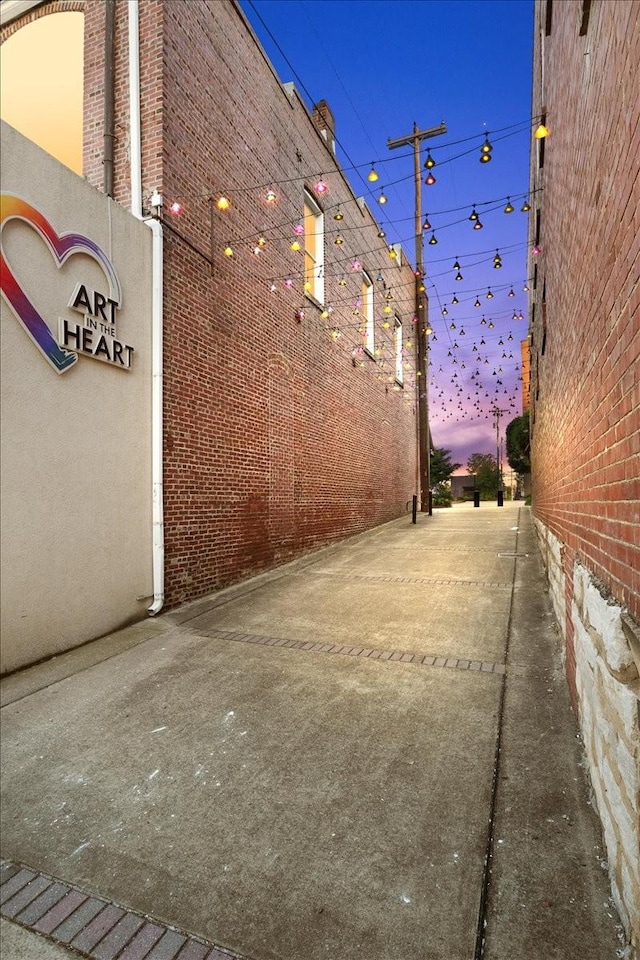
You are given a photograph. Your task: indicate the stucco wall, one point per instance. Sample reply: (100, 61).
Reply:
(75, 457)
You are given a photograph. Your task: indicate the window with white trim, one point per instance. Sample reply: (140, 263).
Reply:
(397, 343)
(367, 312)
(313, 248)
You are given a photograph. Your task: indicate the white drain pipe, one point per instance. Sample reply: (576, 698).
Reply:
(156, 308)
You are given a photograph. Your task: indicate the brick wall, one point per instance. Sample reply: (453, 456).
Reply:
(280, 435)
(585, 389)
(585, 384)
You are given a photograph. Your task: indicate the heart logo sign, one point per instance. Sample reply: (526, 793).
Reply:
(95, 336)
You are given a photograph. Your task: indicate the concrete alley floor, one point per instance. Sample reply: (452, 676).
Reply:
(319, 763)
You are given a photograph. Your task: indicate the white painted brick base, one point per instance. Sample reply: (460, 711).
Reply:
(607, 647)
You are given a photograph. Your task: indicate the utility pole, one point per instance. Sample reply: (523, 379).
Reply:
(422, 309)
(498, 413)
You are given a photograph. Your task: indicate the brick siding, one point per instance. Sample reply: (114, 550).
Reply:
(277, 439)
(586, 398)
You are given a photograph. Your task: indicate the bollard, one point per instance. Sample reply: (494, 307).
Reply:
(500, 498)
(476, 498)
(430, 504)
(414, 511)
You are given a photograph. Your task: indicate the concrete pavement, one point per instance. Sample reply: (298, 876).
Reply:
(368, 753)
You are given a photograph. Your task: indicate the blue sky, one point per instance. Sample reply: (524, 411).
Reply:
(383, 64)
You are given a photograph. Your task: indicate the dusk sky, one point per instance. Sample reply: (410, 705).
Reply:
(381, 66)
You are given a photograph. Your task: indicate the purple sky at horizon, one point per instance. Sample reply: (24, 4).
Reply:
(382, 66)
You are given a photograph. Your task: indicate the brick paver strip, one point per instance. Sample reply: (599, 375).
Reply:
(63, 909)
(116, 939)
(168, 947)
(69, 928)
(15, 883)
(23, 897)
(369, 653)
(98, 928)
(93, 927)
(195, 951)
(42, 904)
(141, 944)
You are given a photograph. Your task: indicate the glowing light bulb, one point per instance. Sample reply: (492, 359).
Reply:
(228, 250)
(382, 199)
(295, 245)
(270, 196)
(320, 187)
(223, 203)
(541, 132)
(372, 176)
(298, 229)
(430, 179)
(175, 207)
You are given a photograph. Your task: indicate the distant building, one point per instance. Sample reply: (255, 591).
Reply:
(585, 390)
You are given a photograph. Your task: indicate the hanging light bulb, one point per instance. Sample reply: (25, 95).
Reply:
(478, 225)
(175, 207)
(462, 333)
(228, 250)
(497, 260)
(430, 179)
(459, 275)
(222, 203)
(355, 265)
(525, 289)
(445, 312)
(474, 214)
(483, 323)
(338, 241)
(382, 199)
(372, 176)
(515, 315)
(295, 245)
(509, 207)
(273, 287)
(490, 324)
(477, 303)
(433, 240)
(426, 225)
(288, 283)
(429, 162)
(511, 293)
(525, 207)
(392, 254)
(338, 215)
(342, 282)
(381, 234)
(455, 301)
(320, 187)
(270, 196)
(541, 132)
(489, 294)
(456, 266)
(485, 151)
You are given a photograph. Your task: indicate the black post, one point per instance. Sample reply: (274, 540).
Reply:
(414, 511)
(430, 503)
(476, 498)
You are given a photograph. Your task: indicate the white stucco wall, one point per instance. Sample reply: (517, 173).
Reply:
(75, 455)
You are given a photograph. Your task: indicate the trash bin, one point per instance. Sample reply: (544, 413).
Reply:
(476, 498)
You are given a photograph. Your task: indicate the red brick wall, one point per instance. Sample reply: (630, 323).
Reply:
(585, 381)
(277, 440)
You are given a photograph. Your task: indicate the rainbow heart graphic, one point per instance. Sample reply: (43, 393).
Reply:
(61, 247)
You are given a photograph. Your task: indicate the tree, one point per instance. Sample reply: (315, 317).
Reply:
(519, 444)
(441, 466)
(485, 469)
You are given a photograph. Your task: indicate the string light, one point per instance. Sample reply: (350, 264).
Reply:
(372, 176)
(541, 132)
(429, 162)
(525, 207)
(223, 203)
(509, 207)
(175, 207)
(382, 199)
(228, 250)
(426, 225)
(269, 197)
(430, 179)
(338, 215)
(433, 239)
(485, 151)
